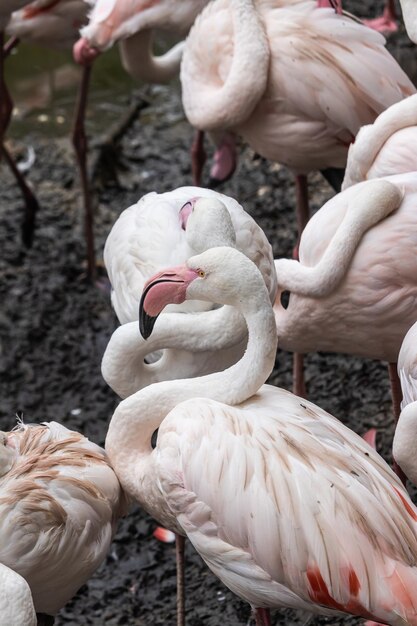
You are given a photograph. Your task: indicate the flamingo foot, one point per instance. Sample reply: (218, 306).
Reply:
(386, 23)
(83, 53)
(224, 162)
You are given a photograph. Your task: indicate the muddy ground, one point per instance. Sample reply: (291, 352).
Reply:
(54, 328)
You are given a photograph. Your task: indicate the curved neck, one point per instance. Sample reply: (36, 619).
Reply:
(139, 61)
(128, 441)
(124, 368)
(371, 139)
(403, 446)
(367, 205)
(209, 107)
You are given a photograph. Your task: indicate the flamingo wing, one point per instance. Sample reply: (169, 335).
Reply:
(289, 507)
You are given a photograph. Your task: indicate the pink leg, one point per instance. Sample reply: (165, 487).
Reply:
(396, 395)
(303, 214)
(198, 157)
(6, 108)
(79, 139)
(224, 161)
(179, 551)
(9, 46)
(387, 22)
(262, 617)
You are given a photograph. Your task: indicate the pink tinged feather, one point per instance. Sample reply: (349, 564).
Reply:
(164, 535)
(167, 287)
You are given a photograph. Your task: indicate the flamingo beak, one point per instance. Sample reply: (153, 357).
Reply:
(186, 211)
(167, 287)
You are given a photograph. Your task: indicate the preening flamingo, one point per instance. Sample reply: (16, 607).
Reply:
(169, 228)
(385, 147)
(295, 81)
(133, 25)
(16, 604)
(59, 504)
(312, 530)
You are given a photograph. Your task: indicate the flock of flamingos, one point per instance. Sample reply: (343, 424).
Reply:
(285, 504)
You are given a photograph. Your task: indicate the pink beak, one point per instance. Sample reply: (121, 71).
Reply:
(167, 287)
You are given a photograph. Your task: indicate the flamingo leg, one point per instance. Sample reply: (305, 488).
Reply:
(6, 108)
(198, 157)
(9, 46)
(262, 617)
(179, 552)
(396, 395)
(79, 140)
(303, 215)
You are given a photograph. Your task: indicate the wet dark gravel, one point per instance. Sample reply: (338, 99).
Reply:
(54, 328)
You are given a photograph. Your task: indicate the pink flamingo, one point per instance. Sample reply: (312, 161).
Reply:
(296, 82)
(409, 10)
(59, 504)
(133, 25)
(310, 531)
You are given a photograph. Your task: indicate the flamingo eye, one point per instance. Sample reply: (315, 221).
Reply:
(201, 273)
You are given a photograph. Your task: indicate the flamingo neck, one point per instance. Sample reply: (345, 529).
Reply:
(209, 107)
(405, 437)
(128, 442)
(124, 368)
(140, 62)
(409, 10)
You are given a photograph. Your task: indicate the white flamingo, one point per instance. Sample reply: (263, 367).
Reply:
(297, 511)
(16, 604)
(59, 504)
(168, 228)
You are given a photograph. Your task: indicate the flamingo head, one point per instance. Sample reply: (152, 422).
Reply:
(166, 287)
(207, 222)
(83, 53)
(8, 453)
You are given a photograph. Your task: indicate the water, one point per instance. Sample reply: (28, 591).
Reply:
(43, 84)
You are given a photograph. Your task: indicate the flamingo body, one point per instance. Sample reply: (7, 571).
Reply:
(370, 311)
(59, 502)
(16, 605)
(326, 77)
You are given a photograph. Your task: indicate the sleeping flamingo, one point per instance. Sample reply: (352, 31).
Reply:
(296, 82)
(166, 228)
(59, 504)
(313, 531)
(133, 25)
(16, 604)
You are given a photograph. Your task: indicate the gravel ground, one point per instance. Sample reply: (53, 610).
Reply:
(54, 328)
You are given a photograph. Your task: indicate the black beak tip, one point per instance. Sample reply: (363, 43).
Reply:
(146, 324)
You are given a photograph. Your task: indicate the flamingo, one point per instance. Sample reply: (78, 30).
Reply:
(298, 511)
(6, 108)
(385, 147)
(133, 25)
(404, 438)
(166, 228)
(296, 82)
(59, 504)
(16, 604)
